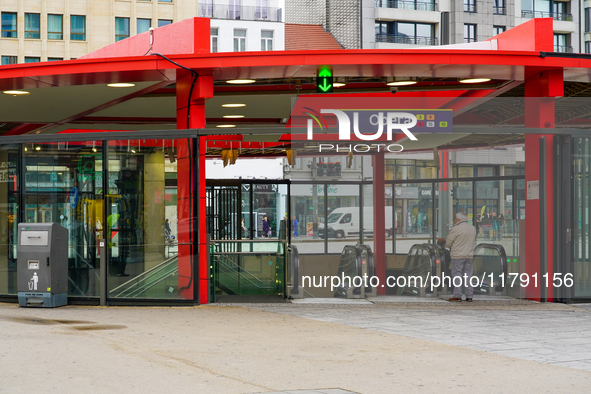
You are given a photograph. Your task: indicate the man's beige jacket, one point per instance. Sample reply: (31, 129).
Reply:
(461, 240)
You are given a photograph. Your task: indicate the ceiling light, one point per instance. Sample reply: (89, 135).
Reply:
(94, 149)
(474, 80)
(38, 148)
(401, 81)
(16, 92)
(339, 82)
(233, 116)
(121, 85)
(225, 126)
(233, 105)
(133, 151)
(240, 81)
(25, 148)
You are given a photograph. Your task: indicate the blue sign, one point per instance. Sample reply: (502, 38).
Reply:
(74, 197)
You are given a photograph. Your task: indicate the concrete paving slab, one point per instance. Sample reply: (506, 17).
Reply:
(405, 299)
(239, 350)
(335, 301)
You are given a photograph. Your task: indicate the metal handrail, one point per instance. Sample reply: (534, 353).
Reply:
(296, 269)
(403, 39)
(557, 16)
(407, 5)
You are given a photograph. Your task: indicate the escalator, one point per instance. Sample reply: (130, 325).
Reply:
(422, 262)
(162, 279)
(425, 261)
(356, 263)
(248, 268)
(490, 259)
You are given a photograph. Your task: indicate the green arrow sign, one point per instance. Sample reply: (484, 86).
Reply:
(324, 80)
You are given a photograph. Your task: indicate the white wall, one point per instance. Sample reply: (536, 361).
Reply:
(253, 34)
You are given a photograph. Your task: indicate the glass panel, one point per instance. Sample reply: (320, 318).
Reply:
(163, 22)
(407, 29)
(32, 60)
(307, 205)
(269, 209)
(8, 60)
(267, 34)
(78, 28)
(55, 27)
(414, 206)
(9, 25)
(582, 222)
(63, 185)
(32, 27)
(149, 241)
(121, 28)
(143, 25)
(344, 216)
(9, 217)
(488, 203)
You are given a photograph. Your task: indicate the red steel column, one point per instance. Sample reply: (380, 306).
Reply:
(379, 218)
(542, 85)
(187, 189)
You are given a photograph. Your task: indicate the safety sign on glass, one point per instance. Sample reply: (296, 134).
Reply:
(533, 190)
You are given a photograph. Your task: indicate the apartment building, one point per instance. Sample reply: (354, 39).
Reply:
(411, 23)
(44, 30)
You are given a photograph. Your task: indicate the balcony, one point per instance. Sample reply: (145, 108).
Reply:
(407, 5)
(554, 15)
(244, 13)
(563, 48)
(499, 10)
(401, 39)
(469, 7)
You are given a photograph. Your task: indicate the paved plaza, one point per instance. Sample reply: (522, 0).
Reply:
(382, 347)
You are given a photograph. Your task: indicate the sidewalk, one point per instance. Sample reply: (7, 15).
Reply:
(382, 348)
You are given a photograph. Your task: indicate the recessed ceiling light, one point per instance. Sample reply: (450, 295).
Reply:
(338, 84)
(233, 105)
(226, 126)
(233, 116)
(241, 81)
(16, 92)
(121, 85)
(37, 148)
(474, 80)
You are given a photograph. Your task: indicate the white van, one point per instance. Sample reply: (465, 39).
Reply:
(344, 222)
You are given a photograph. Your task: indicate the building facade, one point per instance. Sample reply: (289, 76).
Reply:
(402, 23)
(65, 30)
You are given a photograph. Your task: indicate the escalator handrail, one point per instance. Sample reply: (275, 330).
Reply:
(231, 266)
(295, 257)
(358, 265)
(434, 253)
(132, 293)
(502, 254)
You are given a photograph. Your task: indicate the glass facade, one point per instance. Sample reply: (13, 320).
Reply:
(124, 191)
(582, 222)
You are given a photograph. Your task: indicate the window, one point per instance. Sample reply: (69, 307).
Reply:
(239, 40)
(78, 28)
(32, 28)
(206, 8)
(266, 40)
(261, 11)
(163, 22)
(235, 6)
(587, 20)
(54, 59)
(214, 39)
(499, 7)
(9, 25)
(55, 27)
(469, 32)
(32, 59)
(562, 43)
(498, 30)
(406, 33)
(143, 25)
(8, 60)
(469, 5)
(121, 28)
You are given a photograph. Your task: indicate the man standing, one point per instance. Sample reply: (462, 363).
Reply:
(295, 227)
(460, 241)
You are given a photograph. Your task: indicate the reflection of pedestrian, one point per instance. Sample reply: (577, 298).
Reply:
(460, 241)
(266, 228)
(167, 230)
(501, 222)
(295, 227)
(244, 230)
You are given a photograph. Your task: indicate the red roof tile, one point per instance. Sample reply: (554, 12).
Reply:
(305, 37)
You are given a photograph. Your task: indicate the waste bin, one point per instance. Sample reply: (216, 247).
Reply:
(42, 265)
